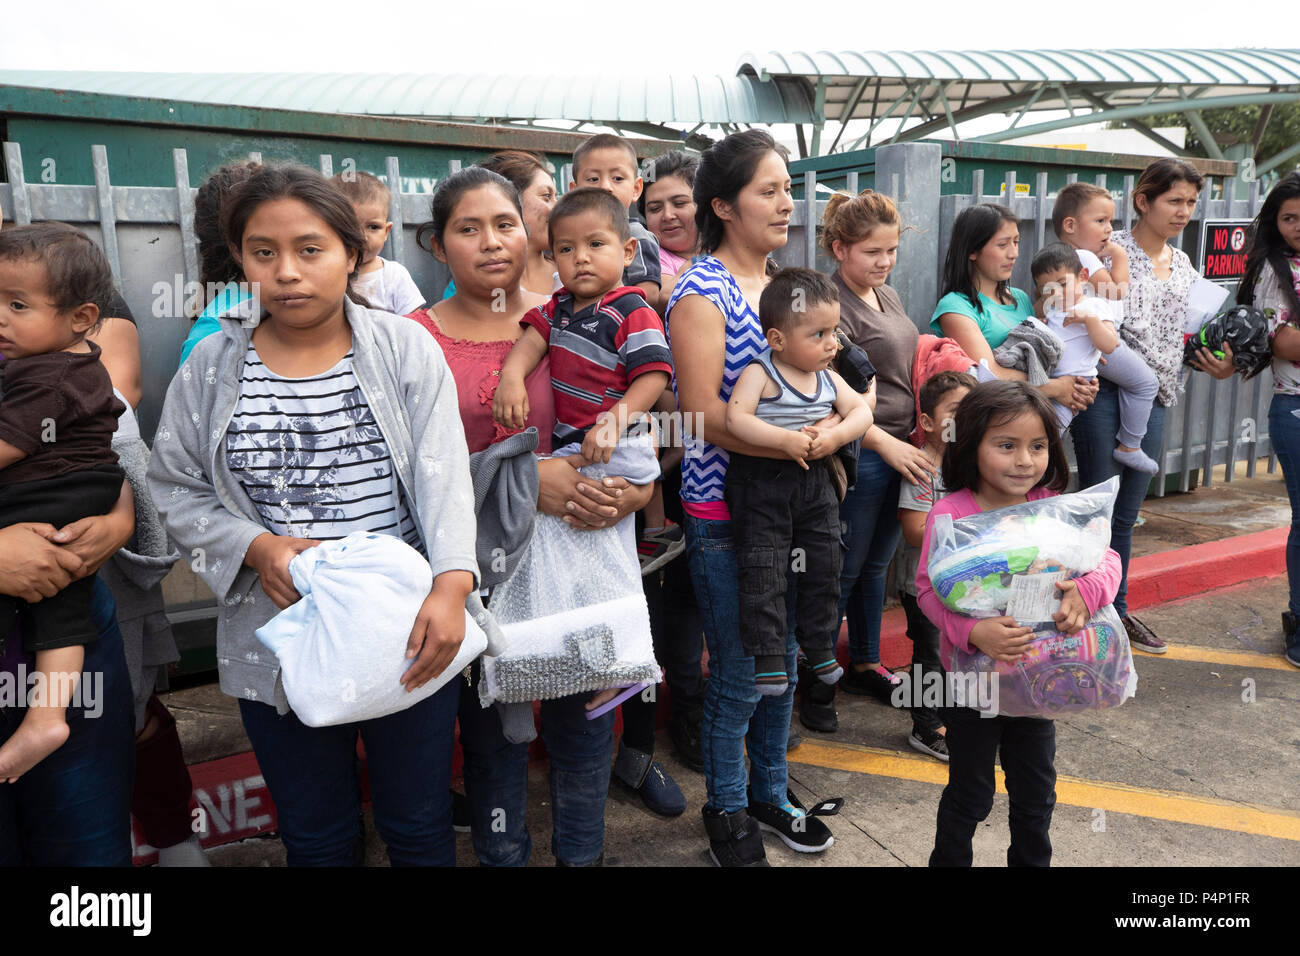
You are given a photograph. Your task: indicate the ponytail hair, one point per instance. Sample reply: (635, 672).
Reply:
(850, 219)
(725, 169)
(448, 195)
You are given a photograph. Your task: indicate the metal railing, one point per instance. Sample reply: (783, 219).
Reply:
(1214, 423)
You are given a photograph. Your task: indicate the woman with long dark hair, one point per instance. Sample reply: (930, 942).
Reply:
(1272, 283)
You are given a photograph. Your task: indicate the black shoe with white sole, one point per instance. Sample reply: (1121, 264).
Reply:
(929, 742)
(799, 829)
(734, 838)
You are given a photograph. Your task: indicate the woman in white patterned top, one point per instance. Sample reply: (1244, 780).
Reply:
(1272, 283)
(1155, 309)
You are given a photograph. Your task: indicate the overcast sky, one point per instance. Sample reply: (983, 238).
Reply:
(511, 36)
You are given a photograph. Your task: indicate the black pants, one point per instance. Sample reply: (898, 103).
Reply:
(925, 659)
(677, 633)
(1028, 753)
(786, 519)
(65, 619)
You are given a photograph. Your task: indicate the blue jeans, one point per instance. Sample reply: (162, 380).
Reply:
(74, 807)
(1093, 433)
(496, 781)
(1284, 430)
(735, 714)
(311, 773)
(869, 519)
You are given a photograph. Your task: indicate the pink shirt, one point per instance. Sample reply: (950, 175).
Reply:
(1097, 588)
(476, 368)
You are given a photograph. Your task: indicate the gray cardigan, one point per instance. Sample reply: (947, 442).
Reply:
(410, 391)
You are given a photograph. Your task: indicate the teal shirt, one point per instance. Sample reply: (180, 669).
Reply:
(995, 320)
(206, 324)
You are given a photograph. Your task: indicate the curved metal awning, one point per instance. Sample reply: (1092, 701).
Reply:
(945, 88)
(637, 103)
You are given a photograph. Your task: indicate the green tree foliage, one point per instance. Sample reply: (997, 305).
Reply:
(1236, 124)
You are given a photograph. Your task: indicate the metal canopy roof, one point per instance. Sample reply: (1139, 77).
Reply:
(946, 88)
(627, 101)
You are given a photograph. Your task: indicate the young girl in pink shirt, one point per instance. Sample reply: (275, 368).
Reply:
(1007, 452)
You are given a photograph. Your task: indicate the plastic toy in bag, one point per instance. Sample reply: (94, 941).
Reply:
(1245, 329)
(1059, 673)
(573, 616)
(973, 561)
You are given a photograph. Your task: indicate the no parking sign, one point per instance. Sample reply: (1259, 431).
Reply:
(1223, 250)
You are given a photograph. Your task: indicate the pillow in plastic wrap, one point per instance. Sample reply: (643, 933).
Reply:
(573, 618)
(973, 560)
(1059, 673)
(342, 648)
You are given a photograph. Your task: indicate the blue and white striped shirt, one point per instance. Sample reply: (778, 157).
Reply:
(704, 467)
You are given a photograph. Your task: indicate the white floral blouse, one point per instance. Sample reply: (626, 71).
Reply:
(1269, 296)
(1155, 311)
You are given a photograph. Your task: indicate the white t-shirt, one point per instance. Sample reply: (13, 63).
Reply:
(389, 288)
(1092, 264)
(1079, 356)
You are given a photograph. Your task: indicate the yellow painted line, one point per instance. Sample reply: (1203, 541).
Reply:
(1072, 791)
(1208, 655)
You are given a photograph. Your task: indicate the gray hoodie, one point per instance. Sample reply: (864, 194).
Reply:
(410, 391)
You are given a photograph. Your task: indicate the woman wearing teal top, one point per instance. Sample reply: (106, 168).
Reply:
(980, 306)
(219, 273)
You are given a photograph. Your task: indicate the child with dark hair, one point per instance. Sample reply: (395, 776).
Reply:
(790, 509)
(385, 284)
(1006, 450)
(57, 465)
(1086, 326)
(608, 162)
(938, 398)
(608, 354)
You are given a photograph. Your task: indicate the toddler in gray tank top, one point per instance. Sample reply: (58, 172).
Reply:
(783, 505)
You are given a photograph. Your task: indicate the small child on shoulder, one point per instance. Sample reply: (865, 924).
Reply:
(608, 353)
(58, 414)
(385, 284)
(784, 503)
(1086, 327)
(939, 398)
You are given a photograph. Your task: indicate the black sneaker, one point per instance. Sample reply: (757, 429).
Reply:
(816, 702)
(875, 682)
(929, 742)
(734, 838)
(798, 828)
(1291, 639)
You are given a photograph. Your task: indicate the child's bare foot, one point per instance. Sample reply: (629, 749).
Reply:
(32, 742)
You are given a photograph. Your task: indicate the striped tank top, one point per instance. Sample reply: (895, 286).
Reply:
(791, 408)
(704, 466)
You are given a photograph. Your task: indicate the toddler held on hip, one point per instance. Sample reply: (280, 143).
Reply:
(1086, 326)
(784, 503)
(608, 353)
(57, 465)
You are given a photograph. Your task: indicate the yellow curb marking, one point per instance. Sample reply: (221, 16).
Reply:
(1072, 791)
(1208, 655)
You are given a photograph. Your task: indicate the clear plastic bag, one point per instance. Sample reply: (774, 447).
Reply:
(973, 560)
(573, 618)
(1059, 674)
(974, 564)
